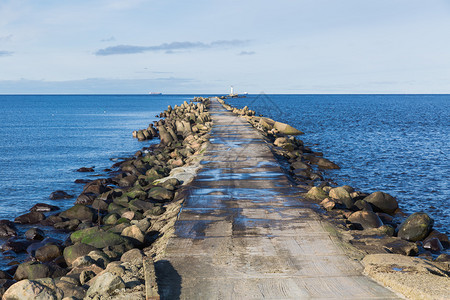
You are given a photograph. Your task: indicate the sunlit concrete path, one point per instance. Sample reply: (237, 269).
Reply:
(244, 233)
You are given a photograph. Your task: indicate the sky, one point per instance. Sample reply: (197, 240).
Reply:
(283, 46)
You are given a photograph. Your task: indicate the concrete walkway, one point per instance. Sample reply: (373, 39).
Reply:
(244, 233)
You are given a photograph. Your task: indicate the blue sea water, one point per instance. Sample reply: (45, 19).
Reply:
(45, 138)
(398, 144)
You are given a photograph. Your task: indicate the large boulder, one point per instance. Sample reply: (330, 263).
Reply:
(316, 193)
(382, 202)
(56, 195)
(7, 229)
(79, 212)
(105, 284)
(48, 253)
(324, 163)
(29, 290)
(366, 219)
(134, 233)
(71, 253)
(286, 129)
(105, 239)
(416, 227)
(341, 194)
(43, 207)
(32, 270)
(30, 218)
(35, 234)
(160, 194)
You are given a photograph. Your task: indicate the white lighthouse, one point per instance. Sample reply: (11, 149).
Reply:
(232, 94)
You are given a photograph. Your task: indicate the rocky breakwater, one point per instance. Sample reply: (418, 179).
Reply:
(117, 225)
(371, 225)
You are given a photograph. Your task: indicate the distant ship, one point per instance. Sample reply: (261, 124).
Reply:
(154, 93)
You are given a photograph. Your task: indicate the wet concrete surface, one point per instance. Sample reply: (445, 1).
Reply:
(244, 232)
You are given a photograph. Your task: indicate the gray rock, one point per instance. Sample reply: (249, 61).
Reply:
(79, 212)
(324, 163)
(366, 219)
(71, 253)
(341, 194)
(105, 284)
(30, 218)
(382, 202)
(43, 207)
(29, 290)
(316, 193)
(134, 233)
(7, 230)
(48, 252)
(34, 234)
(134, 256)
(56, 195)
(32, 270)
(416, 227)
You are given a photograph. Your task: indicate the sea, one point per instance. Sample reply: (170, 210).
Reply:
(398, 144)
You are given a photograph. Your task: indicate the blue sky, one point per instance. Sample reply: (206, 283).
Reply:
(137, 46)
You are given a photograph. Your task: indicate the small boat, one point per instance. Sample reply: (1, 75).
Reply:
(154, 93)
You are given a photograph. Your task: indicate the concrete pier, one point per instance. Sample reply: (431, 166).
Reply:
(244, 232)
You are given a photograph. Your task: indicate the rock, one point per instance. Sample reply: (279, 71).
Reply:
(111, 219)
(299, 165)
(70, 290)
(56, 195)
(328, 204)
(160, 193)
(433, 244)
(85, 198)
(86, 275)
(79, 212)
(71, 253)
(44, 207)
(34, 234)
(129, 215)
(341, 194)
(15, 244)
(416, 227)
(51, 220)
(7, 230)
(82, 180)
(30, 218)
(35, 246)
(105, 284)
(134, 233)
(134, 256)
(140, 205)
(316, 193)
(286, 129)
(100, 258)
(95, 187)
(363, 205)
(443, 238)
(67, 225)
(32, 270)
(324, 163)
(443, 258)
(48, 253)
(127, 181)
(29, 290)
(84, 169)
(382, 202)
(402, 247)
(98, 204)
(366, 219)
(104, 239)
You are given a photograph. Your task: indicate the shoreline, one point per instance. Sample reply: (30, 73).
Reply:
(179, 128)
